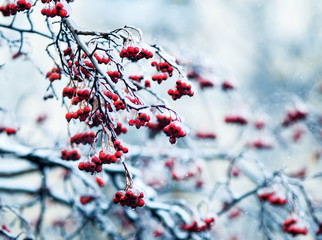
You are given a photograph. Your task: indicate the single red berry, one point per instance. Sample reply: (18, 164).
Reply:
(68, 116)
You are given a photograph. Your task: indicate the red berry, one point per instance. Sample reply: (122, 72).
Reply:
(68, 116)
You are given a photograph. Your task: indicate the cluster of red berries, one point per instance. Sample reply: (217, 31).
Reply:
(260, 144)
(114, 75)
(163, 67)
(80, 114)
(174, 131)
(69, 92)
(294, 116)
(141, 120)
(226, 85)
(134, 100)
(120, 129)
(13, 8)
(118, 104)
(273, 197)
(95, 121)
(129, 198)
(203, 82)
(193, 227)
(58, 10)
(137, 78)
(89, 66)
(9, 131)
(205, 135)
(183, 177)
(181, 89)
(110, 95)
(292, 226)
(160, 77)
(162, 121)
(68, 52)
(83, 138)
(95, 165)
(108, 158)
(54, 74)
(81, 95)
(134, 54)
(102, 59)
(119, 148)
(70, 155)
(236, 119)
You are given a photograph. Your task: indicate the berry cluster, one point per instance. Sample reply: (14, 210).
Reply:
(119, 148)
(274, 197)
(160, 77)
(236, 119)
(137, 78)
(141, 120)
(54, 74)
(205, 135)
(59, 9)
(163, 67)
(69, 92)
(102, 59)
(193, 227)
(120, 129)
(129, 198)
(226, 85)
(260, 144)
(70, 155)
(203, 82)
(12, 8)
(134, 54)
(181, 89)
(83, 138)
(114, 75)
(68, 52)
(80, 114)
(294, 227)
(118, 104)
(9, 131)
(95, 120)
(94, 165)
(174, 131)
(82, 94)
(162, 121)
(294, 116)
(108, 158)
